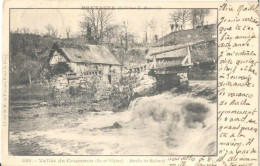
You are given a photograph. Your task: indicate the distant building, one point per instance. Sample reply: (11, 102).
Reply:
(169, 65)
(174, 65)
(85, 61)
(168, 56)
(201, 51)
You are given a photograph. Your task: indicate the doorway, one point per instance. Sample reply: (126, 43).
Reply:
(109, 79)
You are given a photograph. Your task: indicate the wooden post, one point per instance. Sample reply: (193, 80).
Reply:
(189, 55)
(154, 61)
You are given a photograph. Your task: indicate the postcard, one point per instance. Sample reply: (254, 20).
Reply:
(130, 83)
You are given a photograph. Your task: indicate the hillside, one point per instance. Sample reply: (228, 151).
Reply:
(190, 35)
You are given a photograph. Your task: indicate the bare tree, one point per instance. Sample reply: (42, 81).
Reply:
(201, 14)
(125, 31)
(151, 24)
(99, 20)
(36, 31)
(184, 16)
(51, 31)
(181, 15)
(67, 31)
(126, 35)
(146, 26)
(25, 30)
(194, 17)
(174, 16)
(198, 16)
(112, 35)
(55, 32)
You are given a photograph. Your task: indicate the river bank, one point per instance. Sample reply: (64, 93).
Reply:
(63, 130)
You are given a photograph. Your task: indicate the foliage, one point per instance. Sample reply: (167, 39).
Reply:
(29, 71)
(134, 55)
(72, 91)
(122, 93)
(28, 57)
(182, 15)
(76, 91)
(196, 16)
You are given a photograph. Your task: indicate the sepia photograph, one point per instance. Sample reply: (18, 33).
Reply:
(113, 81)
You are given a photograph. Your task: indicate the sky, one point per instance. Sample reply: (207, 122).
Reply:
(37, 19)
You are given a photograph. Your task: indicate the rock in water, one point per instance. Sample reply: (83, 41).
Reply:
(197, 113)
(146, 85)
(116, 125)
(80, 111)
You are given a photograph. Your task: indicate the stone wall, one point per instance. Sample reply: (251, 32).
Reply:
(99, 84)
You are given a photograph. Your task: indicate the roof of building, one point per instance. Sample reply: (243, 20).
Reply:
(86, 53)
(165, 64)
(179, 50)
(207, 53)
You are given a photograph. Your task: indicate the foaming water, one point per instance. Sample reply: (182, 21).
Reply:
(185, 125)
(157, 125)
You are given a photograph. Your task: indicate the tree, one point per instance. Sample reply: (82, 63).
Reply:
(51, 31)
(174, 16)
(36, 32)
(201, 14)
(198, 16)
(125, 31)
(194, 17)
(113, 35)
(97, 22)
(151, 24)
(67, 31)
(29, 71)
(25, 30)
(182, 15)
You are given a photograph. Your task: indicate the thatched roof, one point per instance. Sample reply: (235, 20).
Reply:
(166, 52)
(86, 53)
(165, 64)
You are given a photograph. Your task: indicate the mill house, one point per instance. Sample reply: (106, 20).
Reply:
(82, 62)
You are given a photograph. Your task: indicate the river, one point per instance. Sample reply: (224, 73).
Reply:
(156, 125)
